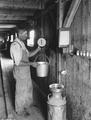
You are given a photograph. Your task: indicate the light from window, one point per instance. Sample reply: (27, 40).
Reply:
(16, 35)
(30, 41)
(64, 38)
(8, 38)
(12, 38)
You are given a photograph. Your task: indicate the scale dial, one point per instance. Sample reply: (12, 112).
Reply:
(41, 42)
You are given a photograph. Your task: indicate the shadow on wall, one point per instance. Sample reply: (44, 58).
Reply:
(40, 91)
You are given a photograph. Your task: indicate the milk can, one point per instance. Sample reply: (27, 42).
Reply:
(56, 103)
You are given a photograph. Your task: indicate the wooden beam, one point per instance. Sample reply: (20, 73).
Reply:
(6, 16)
(61, 6)
(59, 55)
(28, 4)
(12, 21)
(23, 12)
(9, 17)
(71, 13)
(2, 29)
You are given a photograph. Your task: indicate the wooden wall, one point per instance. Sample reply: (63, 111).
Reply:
(78, 78)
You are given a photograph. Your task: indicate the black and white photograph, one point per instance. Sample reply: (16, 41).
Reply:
(45, 59)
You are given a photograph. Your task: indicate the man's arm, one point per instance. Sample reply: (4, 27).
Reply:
(16, 55)
(23, 63)
(34, 52)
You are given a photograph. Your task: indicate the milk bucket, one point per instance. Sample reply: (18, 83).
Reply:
(42, 68)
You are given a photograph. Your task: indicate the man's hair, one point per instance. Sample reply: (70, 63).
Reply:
(20, 32)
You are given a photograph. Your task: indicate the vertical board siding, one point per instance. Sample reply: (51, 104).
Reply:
(78, 80)
(84, 23)
(89, 26)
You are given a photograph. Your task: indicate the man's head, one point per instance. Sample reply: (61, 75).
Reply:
(22, 34)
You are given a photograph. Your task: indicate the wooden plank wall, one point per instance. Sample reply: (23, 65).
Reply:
(78, 78)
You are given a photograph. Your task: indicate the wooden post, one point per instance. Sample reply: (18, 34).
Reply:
(60, 17)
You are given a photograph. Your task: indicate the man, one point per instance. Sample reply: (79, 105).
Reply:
(22, 74)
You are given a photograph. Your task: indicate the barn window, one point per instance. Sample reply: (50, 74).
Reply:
(12, 38)
(8, 38)
(64, 38)
(30, 41)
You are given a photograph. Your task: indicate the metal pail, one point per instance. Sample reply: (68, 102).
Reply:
(42, 69)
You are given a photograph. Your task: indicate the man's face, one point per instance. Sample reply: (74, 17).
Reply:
(23, 36)
(1, 40)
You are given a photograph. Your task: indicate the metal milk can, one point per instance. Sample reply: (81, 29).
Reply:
(56, 103)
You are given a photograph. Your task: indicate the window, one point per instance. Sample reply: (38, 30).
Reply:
(8, 38)
(12, 38)
(16, 35)
(30, 41)
(64, 38)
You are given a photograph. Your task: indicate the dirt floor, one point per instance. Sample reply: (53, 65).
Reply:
(33, 113)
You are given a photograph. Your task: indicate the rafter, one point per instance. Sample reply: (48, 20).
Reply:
(12, 21)
(21, 4)
(9, 17)
(23, 12)
(71, 13)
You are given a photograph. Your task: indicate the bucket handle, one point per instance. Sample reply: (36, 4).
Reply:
(45, 57)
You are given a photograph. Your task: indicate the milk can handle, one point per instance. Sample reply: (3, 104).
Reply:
(49, 95)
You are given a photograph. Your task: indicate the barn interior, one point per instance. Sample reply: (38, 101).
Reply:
(69, 60)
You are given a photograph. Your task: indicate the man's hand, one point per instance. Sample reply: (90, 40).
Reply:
(31, 54)
(34, 64)
(39, 48)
